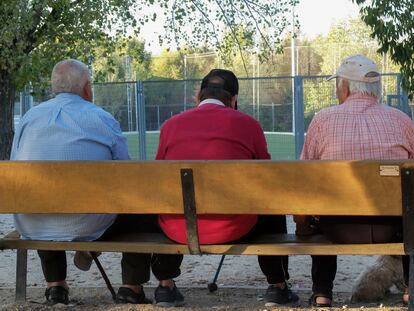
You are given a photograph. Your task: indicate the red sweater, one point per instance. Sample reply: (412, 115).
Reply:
(211, 132)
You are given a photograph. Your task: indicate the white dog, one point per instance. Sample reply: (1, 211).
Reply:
(373, 283)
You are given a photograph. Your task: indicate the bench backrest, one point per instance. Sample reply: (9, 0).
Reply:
(221, 187)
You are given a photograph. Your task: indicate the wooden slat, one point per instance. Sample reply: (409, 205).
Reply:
(283, 244)
(221, 187)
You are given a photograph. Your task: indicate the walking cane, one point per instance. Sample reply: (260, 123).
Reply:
(212, 287)
(105, 277)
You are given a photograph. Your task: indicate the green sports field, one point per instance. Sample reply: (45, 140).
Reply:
(281, 145)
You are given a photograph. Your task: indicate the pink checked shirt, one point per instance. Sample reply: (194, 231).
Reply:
(359, 129)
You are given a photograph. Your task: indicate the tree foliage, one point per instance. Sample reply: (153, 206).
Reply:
(392, 24)
(195, 21)
(183, 64)
(37, 33)
(344, 39)
(128, 61)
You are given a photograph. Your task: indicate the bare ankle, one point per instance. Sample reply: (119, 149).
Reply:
(167, 283)
(323, 300)
(279, 285)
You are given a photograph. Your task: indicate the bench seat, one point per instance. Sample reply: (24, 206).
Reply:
(277, 244)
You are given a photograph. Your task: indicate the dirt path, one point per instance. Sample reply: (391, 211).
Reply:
(196, 299)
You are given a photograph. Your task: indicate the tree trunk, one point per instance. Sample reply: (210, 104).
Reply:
(7, 97)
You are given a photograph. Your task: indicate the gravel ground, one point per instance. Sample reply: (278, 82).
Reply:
(196, 299)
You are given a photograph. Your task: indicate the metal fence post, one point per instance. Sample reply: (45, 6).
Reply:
(399, 91)
(402, 97)
(26, 101)
(299, 115)
(158, 117)
(140, 116)
(129, 105)
(405, 105)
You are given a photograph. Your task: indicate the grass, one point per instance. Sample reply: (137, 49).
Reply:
(281, 145)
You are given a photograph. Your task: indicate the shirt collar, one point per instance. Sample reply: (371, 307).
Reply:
(361, 97)
(211, 101)
(67, 98)
(67, 94)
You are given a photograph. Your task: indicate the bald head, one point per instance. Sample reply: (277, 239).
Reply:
(72, 76)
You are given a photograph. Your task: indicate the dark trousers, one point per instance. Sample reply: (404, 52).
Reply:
(135, 267)
(53, 265)
(352, 230)
(275, 268)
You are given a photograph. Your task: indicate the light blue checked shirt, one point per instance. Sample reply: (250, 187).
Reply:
(67, 128)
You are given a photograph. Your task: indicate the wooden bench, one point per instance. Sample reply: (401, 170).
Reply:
(363, 188)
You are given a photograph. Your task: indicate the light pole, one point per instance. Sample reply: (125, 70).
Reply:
(293, 68)
(128, 91)
(185, 82)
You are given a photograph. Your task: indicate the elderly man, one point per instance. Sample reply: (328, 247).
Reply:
(67, 127)
(215, 130)
(359, 128)
(71, 127)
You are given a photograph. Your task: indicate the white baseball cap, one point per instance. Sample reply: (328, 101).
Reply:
(358, 68)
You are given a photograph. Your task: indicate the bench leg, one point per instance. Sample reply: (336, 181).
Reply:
(411, 283)
(21, 275)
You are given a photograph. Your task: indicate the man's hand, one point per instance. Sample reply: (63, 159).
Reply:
(303, 225)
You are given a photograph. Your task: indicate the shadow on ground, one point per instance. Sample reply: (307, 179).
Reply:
(196, 299)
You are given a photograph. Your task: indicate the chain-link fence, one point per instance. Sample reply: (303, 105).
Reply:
(283, 105)
(320, 93)
(119, 99)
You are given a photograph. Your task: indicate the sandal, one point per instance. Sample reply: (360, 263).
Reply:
(313, 303)
(406, 293)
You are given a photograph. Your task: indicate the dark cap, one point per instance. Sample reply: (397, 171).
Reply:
(229, 84)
